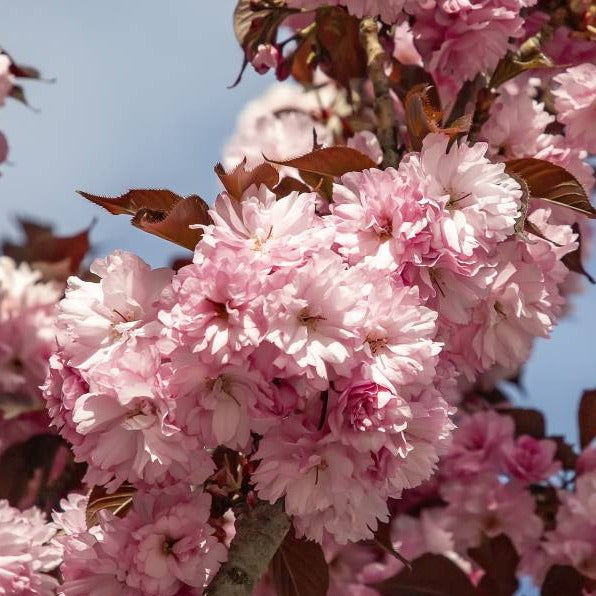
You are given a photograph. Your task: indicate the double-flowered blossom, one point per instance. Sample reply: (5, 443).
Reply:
(27, 328)
(575, 102)
(164, 546)
(27, 554)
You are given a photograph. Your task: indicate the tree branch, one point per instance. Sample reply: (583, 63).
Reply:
(259, 533)
(384, 108)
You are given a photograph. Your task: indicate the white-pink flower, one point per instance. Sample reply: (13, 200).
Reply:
(575, 101)
(27, 555)
(6, 78)
(96, 319)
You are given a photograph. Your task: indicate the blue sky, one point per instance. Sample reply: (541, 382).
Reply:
(141, 100)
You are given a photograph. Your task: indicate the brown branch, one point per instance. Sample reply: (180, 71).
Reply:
(259, 532)
(384, 108)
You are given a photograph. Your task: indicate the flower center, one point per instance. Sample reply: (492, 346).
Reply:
(308, 320)
(376, 345)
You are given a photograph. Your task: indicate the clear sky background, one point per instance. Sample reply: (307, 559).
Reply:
(141, 101)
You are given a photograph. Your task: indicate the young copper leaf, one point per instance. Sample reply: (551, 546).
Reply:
(512, 65)
(134, 200)
(527, 421)
(288, 184)
(299, 568)
(240, 178)
(565, 453)
(338, 37)
(404, 77)
(24, 72)
(159, 212)
(175, 226)
(118, 502)
(3, 148)
(430, 574)
(499, 559)
(18, 94)
(56, 256)
(587, 417)
(573, 260)
(246, 12)
(563, 580)
(552, 183)
(329, 161)
(39, 471)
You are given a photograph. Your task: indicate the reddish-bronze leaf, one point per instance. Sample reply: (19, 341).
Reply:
(430, 574)
(288, 185)
(499, 559)
(587, 418)
(119, 502)
(303, 60)
(330, 161)
(552, 183)
(3, 148)
(404, 77)
(565, 453)
(39, 471)
(573, 260)
(341, 55)
(563, 580)
(527, 421)
(512, 65)
(56, 257)
(160, 212)
(421, 117)
(240, 178)
(299, 568)
(134, 200)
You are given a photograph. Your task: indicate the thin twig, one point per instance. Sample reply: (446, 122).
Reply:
(384, 109)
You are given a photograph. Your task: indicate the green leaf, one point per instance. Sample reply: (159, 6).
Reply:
(552, 183)
(299, 568)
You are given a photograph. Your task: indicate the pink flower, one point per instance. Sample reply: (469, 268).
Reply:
(405, 51)
(381, 216)
(480, 202)
(478, 444)
(215, 309)
(366, 142)
(388, 10)
(222, 405)
(263, 229)
(586, 462)
(125, 427)
(97, 319)
(575, 101)
(530, 460)
(163, 547)
(278, 125)
(6, 78)
(489, 507)
(398, 333)
(27, 556)
(573, 542)
(314, 318)
(516, 123)
(449, 40)
(266, 57)
(325, 483)
(27, 329)
(524, 303)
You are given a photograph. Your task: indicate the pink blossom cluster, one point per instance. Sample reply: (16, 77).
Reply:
(27, 329)
(389, 11)
(164, 546)
(28, 555)
(486, 487)
(332, 333)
